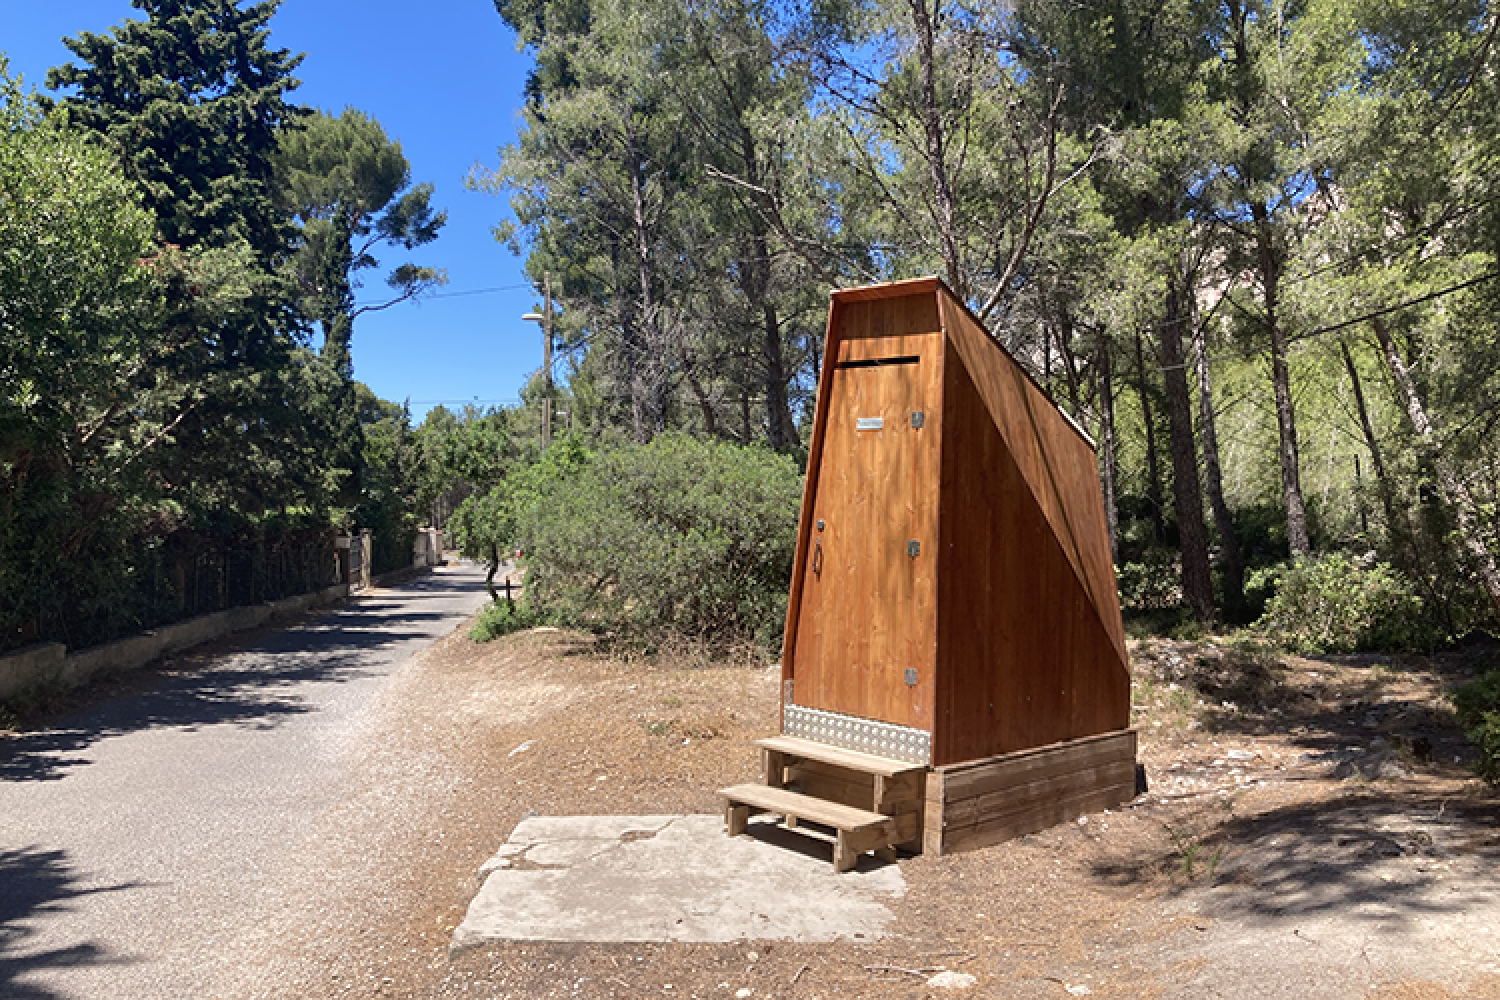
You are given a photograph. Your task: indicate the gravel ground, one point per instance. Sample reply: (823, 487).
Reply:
(1263, 863)
(1308, 834)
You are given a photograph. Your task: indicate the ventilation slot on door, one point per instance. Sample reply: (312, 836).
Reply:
(906, 359)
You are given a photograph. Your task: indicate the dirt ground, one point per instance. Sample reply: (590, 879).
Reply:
(1312, 830)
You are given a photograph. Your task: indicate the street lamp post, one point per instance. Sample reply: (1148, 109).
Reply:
(546, 320)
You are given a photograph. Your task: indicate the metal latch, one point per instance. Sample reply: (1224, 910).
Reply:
(911, 677)
(914, 548)
(918, 418)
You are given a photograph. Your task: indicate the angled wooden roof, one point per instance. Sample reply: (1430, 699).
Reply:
(1054, 454)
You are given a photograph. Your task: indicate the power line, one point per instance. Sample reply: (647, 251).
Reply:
(1363, 318)
(476, 291)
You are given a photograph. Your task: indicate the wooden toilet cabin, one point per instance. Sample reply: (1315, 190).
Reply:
(954, 671)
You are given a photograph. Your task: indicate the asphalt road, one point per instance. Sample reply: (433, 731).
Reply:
(141, 838)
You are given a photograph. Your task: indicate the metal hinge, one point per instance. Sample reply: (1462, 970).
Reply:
(914, 548)
(911, 677)
(918, 418)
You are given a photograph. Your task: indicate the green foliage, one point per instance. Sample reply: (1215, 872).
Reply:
(168, 446)
(1150, 583)
(1478, 707)
(489, 523)
(505, 617)
(388, 480)
(193, 100)
(1335, 604)
(679, 536)
(350, 187)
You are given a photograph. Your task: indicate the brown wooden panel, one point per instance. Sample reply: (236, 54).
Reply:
(890, 289)
(1056, 461)
(1008, 771)
(890, 317)
(809, 492)
(965, 812)
(866, 609)
(1037, 816)
(1024, 658)
(834, 787)
(787, 803)
(849, 760)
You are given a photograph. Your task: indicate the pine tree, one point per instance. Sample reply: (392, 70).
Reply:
(192, 100)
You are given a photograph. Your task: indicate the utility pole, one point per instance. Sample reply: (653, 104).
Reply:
(545, 319)
(546, 359)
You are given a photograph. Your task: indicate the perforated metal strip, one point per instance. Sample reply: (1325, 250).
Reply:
(914, 746)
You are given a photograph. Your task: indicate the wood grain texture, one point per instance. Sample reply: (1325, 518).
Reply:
(867, 607)
(1024, 659)
(1035, 816)
(985, 802)
(788, 803)
(994, 774)
(854, 760)
(888, 290)
(809, 492)
(1056, 461)
(1009, 614)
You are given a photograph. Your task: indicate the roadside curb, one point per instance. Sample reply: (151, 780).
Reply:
(49, 664)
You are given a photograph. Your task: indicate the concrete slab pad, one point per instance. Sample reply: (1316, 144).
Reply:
(671, 878)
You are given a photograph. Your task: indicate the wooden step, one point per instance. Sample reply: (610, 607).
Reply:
(854, 760)
(858, 830)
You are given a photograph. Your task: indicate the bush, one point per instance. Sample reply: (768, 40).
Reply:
(1334, 604)
(684, 536)
(503, 618)
(1153, 583)
(1478, 706)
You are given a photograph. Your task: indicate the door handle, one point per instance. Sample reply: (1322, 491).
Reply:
(817, 559)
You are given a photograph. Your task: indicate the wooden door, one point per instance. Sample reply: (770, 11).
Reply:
(865, 642)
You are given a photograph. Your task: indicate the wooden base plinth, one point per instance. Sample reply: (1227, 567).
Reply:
(983, 802)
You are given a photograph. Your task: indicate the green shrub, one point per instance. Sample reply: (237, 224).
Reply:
(1478, 706)
(1152, 583)
(683, 536)
(503, 618)
(1334, 604)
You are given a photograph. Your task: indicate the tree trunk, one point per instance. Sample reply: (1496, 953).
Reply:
(755, 284)
(1109, 472)
(1269, 264)
(651, 381)
(1153, 468)
(935, 153)
(1365, 425)
(1069, 361)
(1230, 559)
(705, 404)
(781, 430)
(1454, 490)
(1398, 527)
(1187, 495)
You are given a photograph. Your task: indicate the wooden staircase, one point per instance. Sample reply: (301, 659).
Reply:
(871, 803)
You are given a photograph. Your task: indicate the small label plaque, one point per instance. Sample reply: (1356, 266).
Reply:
(869, 423)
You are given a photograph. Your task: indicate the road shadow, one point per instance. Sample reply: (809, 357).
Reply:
(256, 679)
(37, 882)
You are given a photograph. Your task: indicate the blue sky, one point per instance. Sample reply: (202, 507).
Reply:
(443, 77)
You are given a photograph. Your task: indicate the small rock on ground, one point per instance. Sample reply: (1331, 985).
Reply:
(950, 980)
